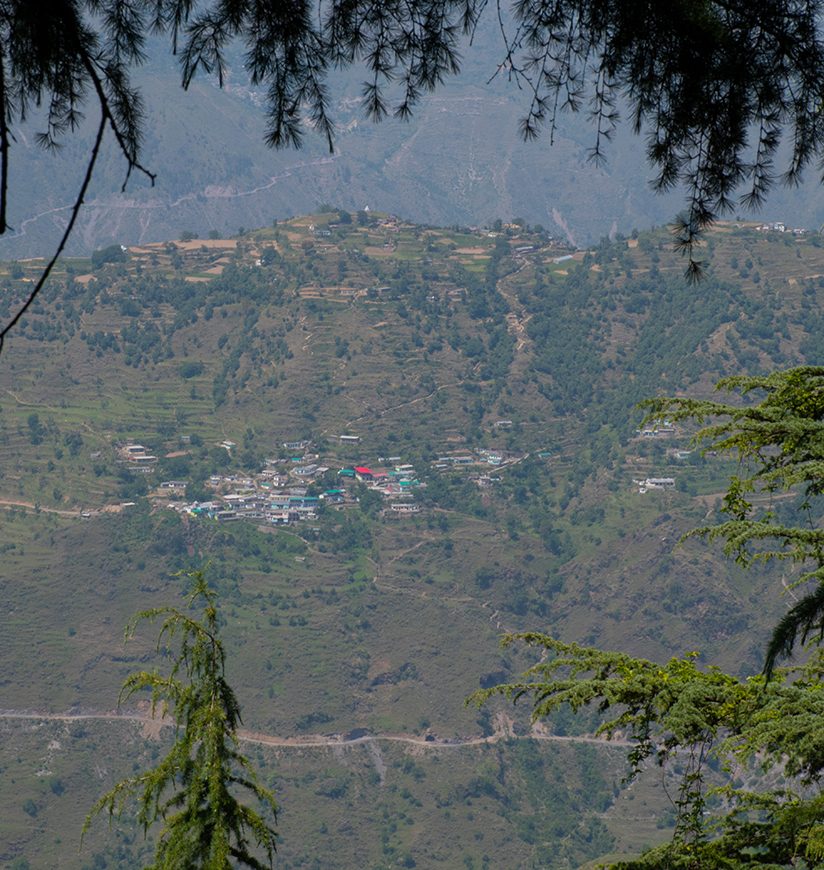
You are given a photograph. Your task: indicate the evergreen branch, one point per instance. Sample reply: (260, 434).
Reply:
(4, 146)
(684, 718)
(802, 620)
(781, 439)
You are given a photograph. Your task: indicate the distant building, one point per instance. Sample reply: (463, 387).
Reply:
(295, 445)
(405, 507)
(333, 496)
(659, 482)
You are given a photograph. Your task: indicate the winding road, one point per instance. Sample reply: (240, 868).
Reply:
(316, 741)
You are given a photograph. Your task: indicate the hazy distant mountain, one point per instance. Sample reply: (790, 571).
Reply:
(460, 160)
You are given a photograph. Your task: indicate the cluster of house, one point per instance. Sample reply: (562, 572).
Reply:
(277, 509)
(665, 427)
(279, 494)
(396, 483)
(780, 227)
(481, 456)
(649, 483)
(475, 463)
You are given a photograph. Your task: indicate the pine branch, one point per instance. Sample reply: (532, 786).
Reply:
(204, 823)
(4, 149)
(804, 619)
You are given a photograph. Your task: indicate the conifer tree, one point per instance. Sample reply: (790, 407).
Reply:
(700, 724)
(685, 717)
(193, 792)
(779, 442)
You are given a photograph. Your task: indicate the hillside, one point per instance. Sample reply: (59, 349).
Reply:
(504, 369)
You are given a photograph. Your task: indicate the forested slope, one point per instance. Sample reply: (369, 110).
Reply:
(424, 343)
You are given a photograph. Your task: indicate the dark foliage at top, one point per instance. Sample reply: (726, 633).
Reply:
(698, 77)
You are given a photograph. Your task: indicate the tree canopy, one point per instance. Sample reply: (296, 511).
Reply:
(693, 721)
(713, 86)
(764, 730)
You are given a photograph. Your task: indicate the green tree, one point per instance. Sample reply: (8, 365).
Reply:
(779, 442)
(680, 713)
(685, 718)
(111, 254)
(192, 792)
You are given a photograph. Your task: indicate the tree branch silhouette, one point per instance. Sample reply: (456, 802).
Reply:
(41, 281)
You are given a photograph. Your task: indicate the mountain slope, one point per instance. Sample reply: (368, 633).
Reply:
(423, 343)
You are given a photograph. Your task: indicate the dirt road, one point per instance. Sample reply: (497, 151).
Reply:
(313, 741)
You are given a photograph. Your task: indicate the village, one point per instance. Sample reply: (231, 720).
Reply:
(296, 488)
(286, 490)
(300, 483)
